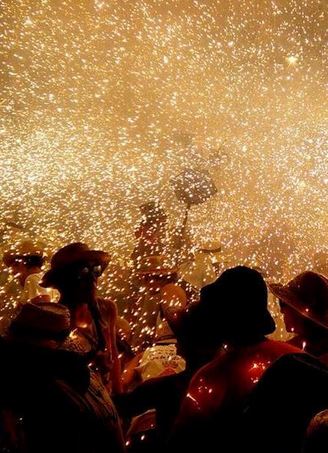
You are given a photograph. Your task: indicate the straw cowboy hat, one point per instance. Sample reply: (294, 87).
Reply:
(23, 249)
(45, 320)
(307, 294)
(70, 255)
(155, 265)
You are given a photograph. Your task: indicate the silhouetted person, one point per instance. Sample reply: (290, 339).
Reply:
(304, 305)
(49, 399)
(237, 303)
(74, 272)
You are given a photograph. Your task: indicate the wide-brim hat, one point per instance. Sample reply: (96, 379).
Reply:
(237, 303)
(155, 265)
(23, 249)
(307, 294)
(45, 320)
(70, 255)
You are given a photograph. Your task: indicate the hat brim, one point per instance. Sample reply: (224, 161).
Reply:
(289, 298)
(9, 258)
(97, 256)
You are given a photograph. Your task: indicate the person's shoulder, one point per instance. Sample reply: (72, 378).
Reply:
(281, 347)
(207, 388)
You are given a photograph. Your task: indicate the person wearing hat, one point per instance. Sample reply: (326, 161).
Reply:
(26, 260)
(49, 399)
(316, 438)
(304, 305)
(237, 315)
(74, 272)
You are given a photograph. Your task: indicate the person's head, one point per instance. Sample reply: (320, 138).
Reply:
(197, 342)
(237, 301)
(24, 259)
(304, 303)
(153, 211)
(74, 272)
(43, 324)
(316, 437)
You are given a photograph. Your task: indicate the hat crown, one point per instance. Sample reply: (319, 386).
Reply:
(46, 318)
(237, 300)
(68, 254)
(311, 290)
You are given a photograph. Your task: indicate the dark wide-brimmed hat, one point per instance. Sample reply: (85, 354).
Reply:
(45, 320)
(307, 294)
(71, 255)
(237, 302)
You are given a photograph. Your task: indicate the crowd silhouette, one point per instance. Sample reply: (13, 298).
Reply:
(193, 373)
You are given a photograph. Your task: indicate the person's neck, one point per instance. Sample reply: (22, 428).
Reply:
(76, 300)
(33, 270)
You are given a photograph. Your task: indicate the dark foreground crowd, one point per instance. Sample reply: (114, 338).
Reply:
(213, 380)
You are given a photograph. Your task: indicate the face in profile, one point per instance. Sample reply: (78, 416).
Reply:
(18, 267)
(293, 321)
(81, 277)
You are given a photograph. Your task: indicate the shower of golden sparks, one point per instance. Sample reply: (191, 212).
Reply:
(102, 102)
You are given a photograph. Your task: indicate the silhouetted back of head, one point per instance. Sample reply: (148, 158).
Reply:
(237, 300)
